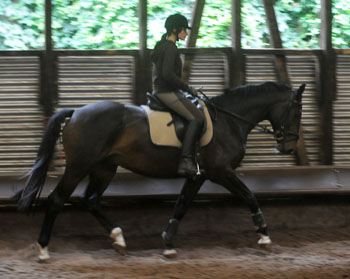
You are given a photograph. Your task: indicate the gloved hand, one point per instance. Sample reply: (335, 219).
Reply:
(193, 91)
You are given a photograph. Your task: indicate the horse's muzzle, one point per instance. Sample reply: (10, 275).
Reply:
(287, 147)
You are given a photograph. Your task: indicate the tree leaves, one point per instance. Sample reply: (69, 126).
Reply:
(111, 24)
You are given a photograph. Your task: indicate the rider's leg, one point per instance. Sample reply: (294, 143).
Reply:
(185, 108)
(192, 133)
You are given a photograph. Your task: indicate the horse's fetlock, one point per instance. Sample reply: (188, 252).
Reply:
(262, 231)
(259, 220)
(170, 231)
(172, 226)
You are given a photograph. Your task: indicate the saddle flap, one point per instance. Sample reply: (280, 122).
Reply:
(165, 135)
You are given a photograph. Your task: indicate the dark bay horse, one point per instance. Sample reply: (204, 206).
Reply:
(98, 138)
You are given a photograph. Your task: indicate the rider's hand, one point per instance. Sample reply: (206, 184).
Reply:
(193, 91)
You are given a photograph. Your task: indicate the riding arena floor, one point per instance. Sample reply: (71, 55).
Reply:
(216, 239)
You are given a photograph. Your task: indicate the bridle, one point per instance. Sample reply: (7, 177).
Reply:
(280, 134)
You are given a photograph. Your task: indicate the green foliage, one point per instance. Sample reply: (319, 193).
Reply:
(298, 23)
(112, 24)
(341, 24)
(214, 30)
(94, 24)
(254, 30)
(21, 24)
(301, 28)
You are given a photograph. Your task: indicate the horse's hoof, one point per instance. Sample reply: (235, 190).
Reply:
(119, 244)
(44, 256)
(264, 241)
(170, 253)
(43, 260)
(121, 250)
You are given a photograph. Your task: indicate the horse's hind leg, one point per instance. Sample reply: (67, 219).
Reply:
(188, 192)
(238, 188)
(100, 177)
(55, 203)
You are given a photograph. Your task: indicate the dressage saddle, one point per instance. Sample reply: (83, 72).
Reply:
(179, 122)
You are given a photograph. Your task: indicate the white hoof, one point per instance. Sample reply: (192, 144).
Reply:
(264, 240)
(170, 253)
(43, 253)
(119, 242)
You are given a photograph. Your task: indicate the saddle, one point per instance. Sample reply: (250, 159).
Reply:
(167, 127)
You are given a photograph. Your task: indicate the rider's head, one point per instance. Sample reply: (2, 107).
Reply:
(177, 24)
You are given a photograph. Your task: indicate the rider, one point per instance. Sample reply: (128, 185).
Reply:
(169, 88)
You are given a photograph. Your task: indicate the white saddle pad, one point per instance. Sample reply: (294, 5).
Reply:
(162, 134)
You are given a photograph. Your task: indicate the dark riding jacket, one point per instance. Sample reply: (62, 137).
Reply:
(167, 68)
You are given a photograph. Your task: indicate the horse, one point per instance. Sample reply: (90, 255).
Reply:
(99, 137)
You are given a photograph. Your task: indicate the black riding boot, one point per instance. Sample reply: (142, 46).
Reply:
(187, 166)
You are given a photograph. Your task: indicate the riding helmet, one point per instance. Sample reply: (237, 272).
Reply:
(176, 21)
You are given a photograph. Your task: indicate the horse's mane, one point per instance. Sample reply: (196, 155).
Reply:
(246, 93)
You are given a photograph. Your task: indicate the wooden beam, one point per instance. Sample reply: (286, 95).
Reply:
(327, 83)
(142, 13)
(192, 38)
(100, 52)
(282, 71)
(276, 42)
(237, 63)
(195, 23)
(142, 73)
(345, 51)
(48, 23)
(21, 52)
(48, 68)
(282, 51)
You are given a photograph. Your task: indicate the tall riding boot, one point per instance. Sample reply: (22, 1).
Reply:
(187, 166)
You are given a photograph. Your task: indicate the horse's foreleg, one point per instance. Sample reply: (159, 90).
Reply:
(100, 178)
(188, 192)
(238, 188)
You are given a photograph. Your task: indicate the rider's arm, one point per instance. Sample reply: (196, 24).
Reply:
(168, 69)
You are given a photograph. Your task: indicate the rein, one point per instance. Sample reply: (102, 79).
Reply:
(279, 134)
(235, 115)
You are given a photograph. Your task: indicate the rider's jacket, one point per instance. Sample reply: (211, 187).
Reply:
(167, 68)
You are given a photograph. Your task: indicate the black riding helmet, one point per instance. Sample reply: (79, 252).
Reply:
(177, 22)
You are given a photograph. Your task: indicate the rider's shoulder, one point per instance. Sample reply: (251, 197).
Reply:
(170, 45)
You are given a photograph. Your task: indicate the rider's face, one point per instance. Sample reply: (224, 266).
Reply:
(183, 34)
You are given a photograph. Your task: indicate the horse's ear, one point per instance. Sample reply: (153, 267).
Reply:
(300, 91)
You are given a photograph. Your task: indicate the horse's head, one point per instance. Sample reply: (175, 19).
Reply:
(285, 121)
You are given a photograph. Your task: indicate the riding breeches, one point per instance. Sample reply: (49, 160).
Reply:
(177, 102)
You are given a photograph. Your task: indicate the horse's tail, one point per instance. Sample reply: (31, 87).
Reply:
(37, 175)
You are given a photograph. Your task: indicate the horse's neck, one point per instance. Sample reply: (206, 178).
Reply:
(253, 114)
